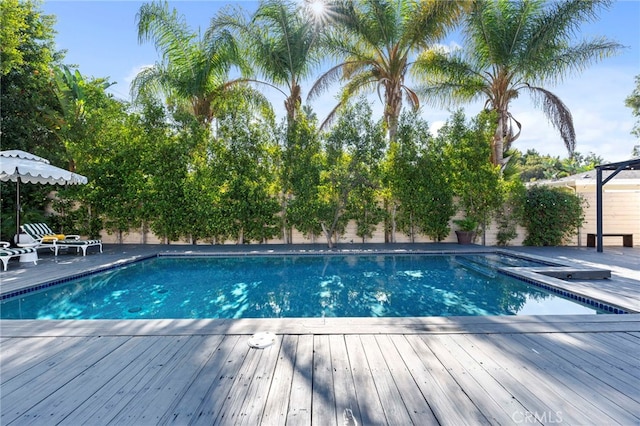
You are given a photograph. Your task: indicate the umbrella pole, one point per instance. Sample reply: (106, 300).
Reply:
(17, 237)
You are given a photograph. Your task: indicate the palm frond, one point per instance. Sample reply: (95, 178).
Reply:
(330, 117)
(547, 48)
(147, 83)
(571, 60)
(429, 21)
(558, 114)
(166, 29)
(323, 82)
(412, 98)
(447, 80)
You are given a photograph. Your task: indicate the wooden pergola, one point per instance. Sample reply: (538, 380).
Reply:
(633, 164)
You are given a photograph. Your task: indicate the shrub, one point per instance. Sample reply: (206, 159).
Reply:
(551, 215)
(507, 216)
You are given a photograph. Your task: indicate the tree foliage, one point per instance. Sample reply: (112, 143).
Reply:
(203, 162)
(30, 111)
(301, 165)
(353, 150)
(633, 102)
(281, 40)
(551, 215)
(375, 40)
(475, 180)
(193, 73)
(515, 47)
(418, 174)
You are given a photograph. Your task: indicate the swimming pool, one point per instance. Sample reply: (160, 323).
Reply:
(296, 286)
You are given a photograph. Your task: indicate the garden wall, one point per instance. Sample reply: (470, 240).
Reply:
(298, 238)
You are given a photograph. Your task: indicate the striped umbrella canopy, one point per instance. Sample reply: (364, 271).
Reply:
(20, 166)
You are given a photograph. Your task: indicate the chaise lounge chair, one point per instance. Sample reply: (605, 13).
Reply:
(42, 234)
(7, 253)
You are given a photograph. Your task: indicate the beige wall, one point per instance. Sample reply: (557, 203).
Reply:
(620, 210)
(135, 237)
(621, 214)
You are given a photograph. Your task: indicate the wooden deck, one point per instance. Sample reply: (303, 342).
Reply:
(496, 370)
(366, 371)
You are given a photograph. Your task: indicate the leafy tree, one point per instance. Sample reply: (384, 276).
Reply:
(533, 166)
(510, 211)
(354, 148)
(281, 41)
(14, 16)
(375, 40)
(105, 145)
(475, 181)
(633, 102)
(513, 47)
(164, 161)
(251, 190)
(417, 172)
(233, 185)
(301, 165)
(193, 73)
(29, 106)
(551, 215)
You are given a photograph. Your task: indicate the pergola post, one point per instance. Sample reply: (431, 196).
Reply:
(599, 209)
(616, 168)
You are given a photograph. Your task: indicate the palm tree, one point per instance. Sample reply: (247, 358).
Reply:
(515, 46)
(377, 40)
(281, 41)
(193, 72)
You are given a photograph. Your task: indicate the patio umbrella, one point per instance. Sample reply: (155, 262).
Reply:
(20, 166)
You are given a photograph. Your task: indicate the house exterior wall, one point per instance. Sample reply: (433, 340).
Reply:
(620, 210)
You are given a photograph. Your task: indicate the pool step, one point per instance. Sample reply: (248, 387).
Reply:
(478, 267)
(569, 273)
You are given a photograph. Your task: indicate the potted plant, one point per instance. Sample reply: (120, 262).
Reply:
(467, 231)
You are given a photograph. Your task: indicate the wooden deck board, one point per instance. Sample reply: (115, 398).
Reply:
(253, 406)
(611, 401)
(302, 383)
(231, 409)
(368, 399)
(562, 346)
(391, 400)
(521, 383)
(19, 355)
(449, 403)
(417, 406)
(218, 391)
(103, 405)
(323, 403)
(612, 351)
(55, 408)
(277, 403)
(20, 397)
(571, 398)
(346, 398)
(552, 384)
(486, 391)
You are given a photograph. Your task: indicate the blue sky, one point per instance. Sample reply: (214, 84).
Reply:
(100, 38)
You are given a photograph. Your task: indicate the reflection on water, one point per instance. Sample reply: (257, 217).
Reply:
(304, 286)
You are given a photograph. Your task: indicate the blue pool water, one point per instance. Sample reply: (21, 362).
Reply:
(295, 286)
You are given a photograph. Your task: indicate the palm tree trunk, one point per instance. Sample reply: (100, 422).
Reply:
(502, 132)
(292, 103)
(392, 109)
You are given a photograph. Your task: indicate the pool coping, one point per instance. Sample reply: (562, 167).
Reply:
(546, 277)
